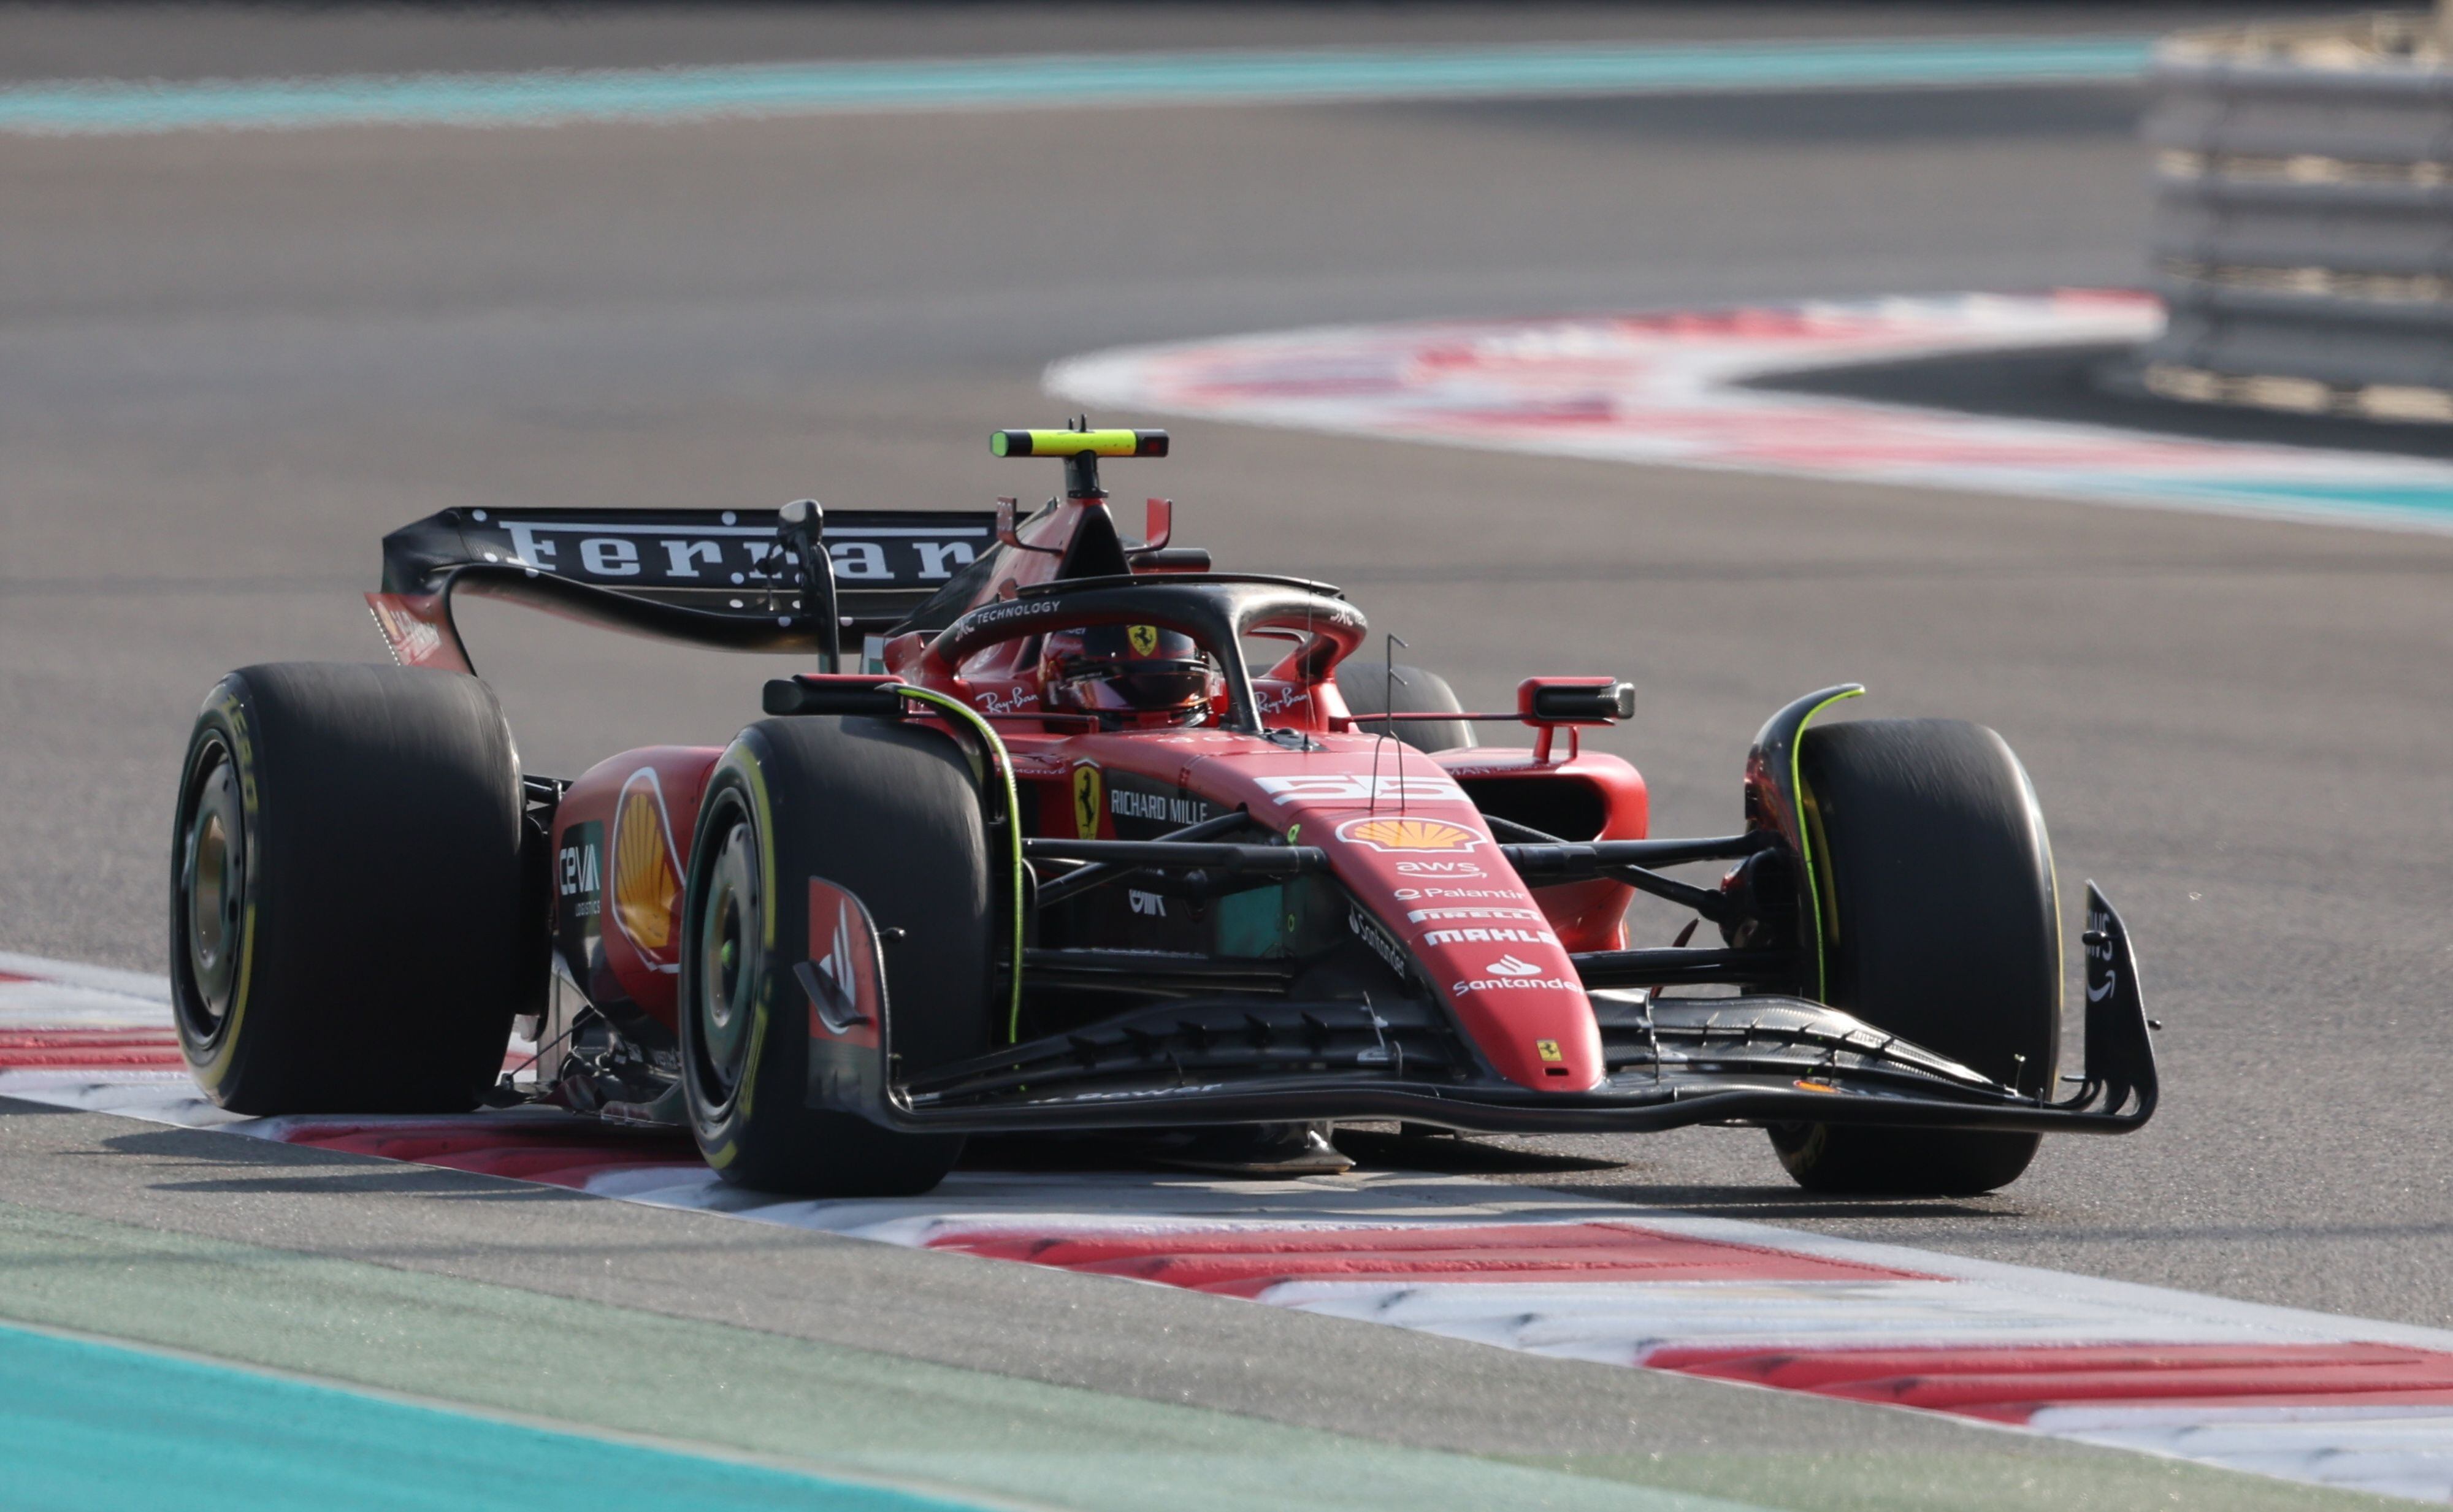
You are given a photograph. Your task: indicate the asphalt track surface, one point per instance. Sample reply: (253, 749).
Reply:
(228, 363)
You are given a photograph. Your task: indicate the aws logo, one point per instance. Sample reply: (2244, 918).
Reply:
(646, 884)
(1444, 869)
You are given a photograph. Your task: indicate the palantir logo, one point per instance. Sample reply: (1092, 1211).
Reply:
(1507, 966)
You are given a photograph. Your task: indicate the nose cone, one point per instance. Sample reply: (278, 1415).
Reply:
(1524, 1008)
(1417, 854)
(1488, 949)
(1484, 943)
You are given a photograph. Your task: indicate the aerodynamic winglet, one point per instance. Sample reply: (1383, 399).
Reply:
(2120, 1081)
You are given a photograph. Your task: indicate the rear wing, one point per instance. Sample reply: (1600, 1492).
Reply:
(723, 578)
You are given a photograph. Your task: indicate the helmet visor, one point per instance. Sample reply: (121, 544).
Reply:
(1139, 686)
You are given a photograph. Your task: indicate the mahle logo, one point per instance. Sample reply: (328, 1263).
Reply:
(1492, 934)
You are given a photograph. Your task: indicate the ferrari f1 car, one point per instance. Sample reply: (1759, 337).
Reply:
(1086, 836)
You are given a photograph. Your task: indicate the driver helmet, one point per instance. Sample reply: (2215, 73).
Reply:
(1137, 674)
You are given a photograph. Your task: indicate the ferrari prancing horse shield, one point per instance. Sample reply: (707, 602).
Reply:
(1087, 805)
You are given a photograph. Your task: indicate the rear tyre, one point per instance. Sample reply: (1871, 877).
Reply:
(891, 813)
(351, 926)
(1369, 691)
(1940, 924)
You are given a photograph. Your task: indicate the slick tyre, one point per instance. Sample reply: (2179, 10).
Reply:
(891, 813)
(353, 918)
(1368, 689)
(1940, 924)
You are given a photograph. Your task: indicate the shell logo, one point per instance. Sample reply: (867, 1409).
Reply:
(647, 887)
(1413, 836)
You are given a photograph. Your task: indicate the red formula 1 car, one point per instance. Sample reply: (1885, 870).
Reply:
(1098, 840)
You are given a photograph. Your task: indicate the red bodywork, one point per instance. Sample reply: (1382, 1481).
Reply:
(1404, 831)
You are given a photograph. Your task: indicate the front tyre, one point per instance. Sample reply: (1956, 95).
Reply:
(1940, 924)
(351, 923)
(891, 813)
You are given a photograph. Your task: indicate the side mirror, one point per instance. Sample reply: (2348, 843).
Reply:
(1575, 700)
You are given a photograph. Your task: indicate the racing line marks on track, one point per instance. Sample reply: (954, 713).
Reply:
(2301, 1396)
(1666, 388)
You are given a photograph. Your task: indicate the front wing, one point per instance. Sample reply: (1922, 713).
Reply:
(1671, 1062)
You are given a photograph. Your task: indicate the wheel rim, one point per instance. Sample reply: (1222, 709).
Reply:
(730, 927)
(212, 883)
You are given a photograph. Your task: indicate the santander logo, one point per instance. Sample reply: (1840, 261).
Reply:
(1509, 974)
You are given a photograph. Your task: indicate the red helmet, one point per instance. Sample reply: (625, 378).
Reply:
(1121, 671)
